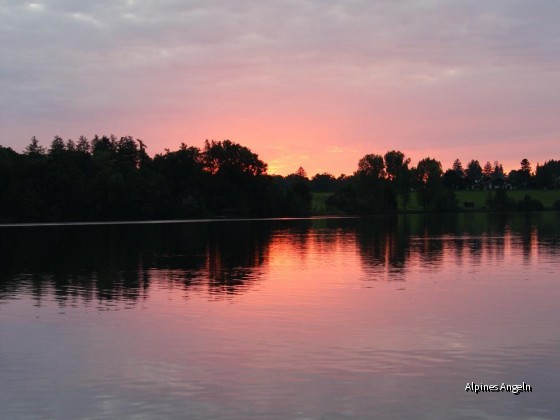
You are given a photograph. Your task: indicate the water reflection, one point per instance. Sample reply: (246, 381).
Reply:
(111, 263)
(356, 318)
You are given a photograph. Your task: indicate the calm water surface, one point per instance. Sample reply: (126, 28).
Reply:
(385, 318)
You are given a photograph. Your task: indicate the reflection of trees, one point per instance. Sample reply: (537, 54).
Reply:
(387, 245)
(384, 246)
(120, 262)
(112, 263)
(294, 239)
(234, 253)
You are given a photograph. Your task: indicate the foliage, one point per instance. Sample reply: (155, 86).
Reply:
(499, 201)
(458, 168)
(321, 183)
(399, 174)
(298, 193)
(451, 179)
(34, 148)
(529, 204)
(371, 166)
(113, 178)
(432, 195)
(231, 159)
(110, 178)
(487, 171)
(395, 164)
(473, 172)
(548, 174)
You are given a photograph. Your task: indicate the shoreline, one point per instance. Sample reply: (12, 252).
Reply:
(257, 219)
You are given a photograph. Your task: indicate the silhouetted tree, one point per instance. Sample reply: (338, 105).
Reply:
(524, 174)
(184, 176)
(498, 171)
(431, 195)
(452, 179)
(236, 187)
(368, 191)
(399, 174)
(487, 171)
(371, 166)
(429, 170)
(70, 145)
(458, 168)
(395, 163)
(10, 178)
(525, 165)
(57, 146)
(473, 172)
(324, 182)
(113, 178)
(34, 148)
(548, 174)
(103, 145)
(83, 145)
(226, 157)
(299, 197)
(516, 178)
(301, 172)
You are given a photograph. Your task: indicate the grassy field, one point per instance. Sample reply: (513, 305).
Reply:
(547, 198)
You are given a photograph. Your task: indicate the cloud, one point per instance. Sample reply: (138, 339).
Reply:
(356, 66)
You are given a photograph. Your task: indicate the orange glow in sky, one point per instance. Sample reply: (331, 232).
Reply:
(300, 83)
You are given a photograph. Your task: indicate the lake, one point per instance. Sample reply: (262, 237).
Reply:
(385, 318)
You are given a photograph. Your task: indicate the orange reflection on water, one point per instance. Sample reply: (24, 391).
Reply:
(324, 318)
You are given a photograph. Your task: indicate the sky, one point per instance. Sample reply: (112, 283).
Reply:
(311, 83)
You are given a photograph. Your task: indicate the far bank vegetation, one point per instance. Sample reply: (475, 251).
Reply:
(110, 178)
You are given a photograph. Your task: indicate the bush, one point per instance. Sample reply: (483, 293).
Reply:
(529, 204)
(500, 201)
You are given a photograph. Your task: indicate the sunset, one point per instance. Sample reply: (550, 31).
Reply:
(280, 209)
(313, 83)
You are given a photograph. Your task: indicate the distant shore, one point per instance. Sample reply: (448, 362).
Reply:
(547, 197)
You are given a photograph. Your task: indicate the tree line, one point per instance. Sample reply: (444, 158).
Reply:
(381, 181)
(110, 178)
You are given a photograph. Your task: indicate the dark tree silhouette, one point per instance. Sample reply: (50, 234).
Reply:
(228, 158)
(487, 171)
(452, 179)
(57, 146)
(548, 174)
(395, 164)
(324, 182)
(397, 171)
(371, 166)
(34, 148)
(473, 172)
(431, 193)
(110, 178)
(524, 174)
(368, 191)
(525, 166)
(301, 172)
(458, 168)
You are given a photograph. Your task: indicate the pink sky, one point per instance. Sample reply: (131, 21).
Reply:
(311, 83)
